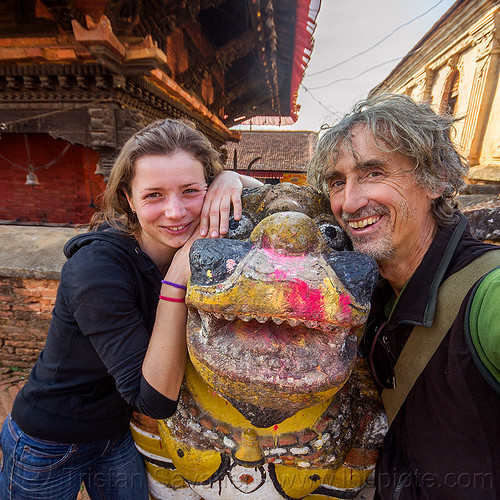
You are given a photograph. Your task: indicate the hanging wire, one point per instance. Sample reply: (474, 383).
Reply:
(11, 163)
(315, 99)
(28, 150)
(347, 79)
(375, 45)
(30, 165)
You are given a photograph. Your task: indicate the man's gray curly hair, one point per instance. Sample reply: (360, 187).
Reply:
(401, 125)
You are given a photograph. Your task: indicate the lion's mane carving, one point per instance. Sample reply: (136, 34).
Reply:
(276, 403)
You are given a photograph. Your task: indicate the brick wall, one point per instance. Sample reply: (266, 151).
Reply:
(31, 258)
(67, 191)
(25, 313)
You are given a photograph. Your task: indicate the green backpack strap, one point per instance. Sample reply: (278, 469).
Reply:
(490, 373)
(423, 342)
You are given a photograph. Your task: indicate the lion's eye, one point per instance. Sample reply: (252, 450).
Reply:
(240, 229)
(334, 236)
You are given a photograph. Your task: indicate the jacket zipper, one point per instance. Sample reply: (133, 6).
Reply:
(399, 486)
(385, 341)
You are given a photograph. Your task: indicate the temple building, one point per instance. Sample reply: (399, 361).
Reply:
(273, 157)
(455, 68)
(79, 77)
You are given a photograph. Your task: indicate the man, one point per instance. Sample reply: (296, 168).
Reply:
(391, 172)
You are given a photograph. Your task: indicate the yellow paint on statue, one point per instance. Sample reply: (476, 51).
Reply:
(219, 409)
(249, 450)
(297, 482)
(153, 446)
(193, 464)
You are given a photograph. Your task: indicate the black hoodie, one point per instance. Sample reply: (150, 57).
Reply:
(88, 378)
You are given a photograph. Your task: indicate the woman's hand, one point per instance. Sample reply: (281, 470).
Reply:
(225, 190)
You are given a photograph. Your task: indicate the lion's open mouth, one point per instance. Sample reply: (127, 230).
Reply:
(295, 357)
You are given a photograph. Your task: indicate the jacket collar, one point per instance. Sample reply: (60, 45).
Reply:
(117, 238)
(416, 304)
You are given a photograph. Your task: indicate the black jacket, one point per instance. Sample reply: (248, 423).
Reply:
(445, 441)
(88, 378)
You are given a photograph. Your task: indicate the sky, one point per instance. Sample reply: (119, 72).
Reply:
(367, 32)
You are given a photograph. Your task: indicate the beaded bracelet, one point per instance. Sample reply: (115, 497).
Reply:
(175, 285)
(170, 299)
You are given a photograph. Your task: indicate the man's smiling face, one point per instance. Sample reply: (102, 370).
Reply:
(375, 197)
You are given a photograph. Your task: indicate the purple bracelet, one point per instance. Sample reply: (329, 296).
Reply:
(175, 285)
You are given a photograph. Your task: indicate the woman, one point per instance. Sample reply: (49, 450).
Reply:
(117, 338)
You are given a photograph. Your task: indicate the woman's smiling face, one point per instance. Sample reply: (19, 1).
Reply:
(167, 194)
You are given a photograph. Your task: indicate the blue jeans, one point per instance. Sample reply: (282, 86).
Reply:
(33, 468)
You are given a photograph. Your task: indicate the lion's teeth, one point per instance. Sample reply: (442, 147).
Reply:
(325, 327)
(311, 324)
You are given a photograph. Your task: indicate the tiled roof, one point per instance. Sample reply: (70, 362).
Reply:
(279, 151)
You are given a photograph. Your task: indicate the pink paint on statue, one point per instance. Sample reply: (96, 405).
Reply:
(345, 302)
(278, 274)
(302, 297)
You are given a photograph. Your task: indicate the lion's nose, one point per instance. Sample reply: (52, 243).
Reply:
(290, 233)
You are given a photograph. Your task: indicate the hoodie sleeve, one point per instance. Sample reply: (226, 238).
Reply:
(101, 287)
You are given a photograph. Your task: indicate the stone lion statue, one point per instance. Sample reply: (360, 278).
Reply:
(276, 402)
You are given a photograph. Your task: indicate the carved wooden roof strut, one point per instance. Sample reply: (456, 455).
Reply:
(93, 72)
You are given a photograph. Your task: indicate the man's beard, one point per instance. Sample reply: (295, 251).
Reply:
(380, 248)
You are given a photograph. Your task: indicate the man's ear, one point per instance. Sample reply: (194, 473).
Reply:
(434, 194)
